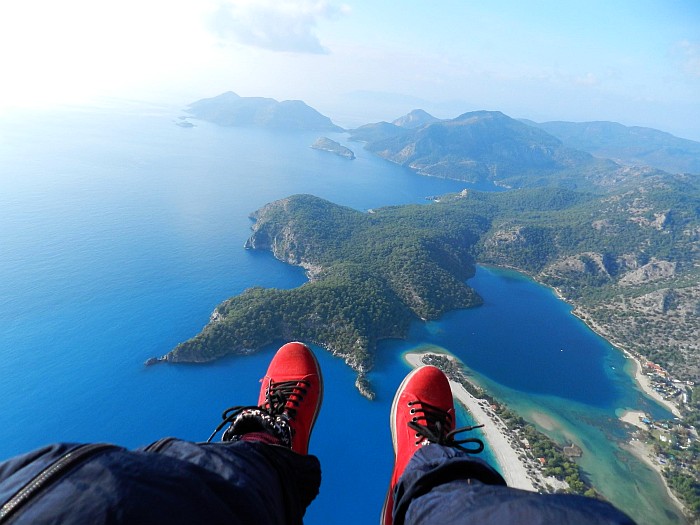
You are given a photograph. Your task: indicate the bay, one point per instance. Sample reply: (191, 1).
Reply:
(121, 231)
(526, 348)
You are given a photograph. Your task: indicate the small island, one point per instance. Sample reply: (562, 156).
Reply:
(331, 146)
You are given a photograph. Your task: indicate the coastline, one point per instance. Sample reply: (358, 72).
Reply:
(645, 384)
(640, 378)
(638, 375)
(509, 453)
(644, 453)
(633, 417)
(628, 415)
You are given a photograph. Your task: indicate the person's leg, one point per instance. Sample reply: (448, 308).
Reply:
(259, 474)
(265, 447)
(442, 483)
(422, 413)
(234, 483)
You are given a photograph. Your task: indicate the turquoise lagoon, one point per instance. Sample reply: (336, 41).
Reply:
(121, 231)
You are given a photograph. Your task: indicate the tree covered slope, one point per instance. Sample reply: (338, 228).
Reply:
(629, 261)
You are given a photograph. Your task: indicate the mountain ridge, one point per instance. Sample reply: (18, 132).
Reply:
(230, 109)
(633, 145)
(488, 146)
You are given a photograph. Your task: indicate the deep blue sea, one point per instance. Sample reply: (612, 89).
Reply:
(121, 231)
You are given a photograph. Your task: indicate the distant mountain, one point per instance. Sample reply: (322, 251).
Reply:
(415, 119)
(376, 132)
(628, 145)
(229, 109)
(487, 146)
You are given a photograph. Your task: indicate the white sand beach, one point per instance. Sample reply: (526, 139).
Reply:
(645, 453)
(513, 469)
(645, 383)
(634, 417)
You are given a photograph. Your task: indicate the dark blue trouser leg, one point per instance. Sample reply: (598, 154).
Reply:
(182, 483)
(445, 485)
(263, 483)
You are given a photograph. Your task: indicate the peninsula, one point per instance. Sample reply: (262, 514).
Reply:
(370, 275)
(489, 146)
(515, 444)
(628, 261)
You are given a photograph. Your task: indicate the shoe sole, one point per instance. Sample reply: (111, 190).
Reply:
(320, 387)
(395, 404)
(392, 425)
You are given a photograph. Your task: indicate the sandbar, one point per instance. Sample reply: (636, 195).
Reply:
(634, 417)
(512, 468)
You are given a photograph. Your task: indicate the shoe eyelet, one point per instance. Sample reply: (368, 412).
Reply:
(413, 411)
(410, 403)
(417, 435)
(414, 419)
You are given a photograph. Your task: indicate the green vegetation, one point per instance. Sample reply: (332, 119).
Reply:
(338, 311)
(630, 145)
(629, 261)
(556, 463)
(373, 273)
(676, 444)
(540, 448)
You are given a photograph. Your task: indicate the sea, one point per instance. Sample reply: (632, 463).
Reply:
(120, 231)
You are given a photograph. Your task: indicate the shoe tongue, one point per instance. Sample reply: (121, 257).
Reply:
(257, 420)
(250, 421)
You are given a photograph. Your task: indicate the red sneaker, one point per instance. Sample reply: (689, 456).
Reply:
(293, 390)
(424, 399)
(288, 405)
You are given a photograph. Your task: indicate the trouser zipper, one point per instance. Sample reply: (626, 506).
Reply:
(49, 475)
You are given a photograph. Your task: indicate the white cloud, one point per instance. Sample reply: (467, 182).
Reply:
(277, 25)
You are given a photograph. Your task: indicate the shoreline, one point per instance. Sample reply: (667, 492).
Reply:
(642, 380)
(510, 454)
(633, 417)
(638, 375)
(628, 415)
(645, 384)
(517, 472)
(643, 452)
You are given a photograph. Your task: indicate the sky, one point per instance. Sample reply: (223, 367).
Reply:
(631, 61)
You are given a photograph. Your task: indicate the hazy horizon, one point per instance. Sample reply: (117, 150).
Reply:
(637, 63)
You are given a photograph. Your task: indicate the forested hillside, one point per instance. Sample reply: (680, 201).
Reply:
(629, 262)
